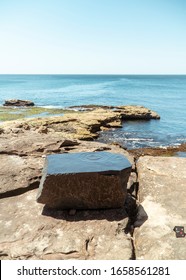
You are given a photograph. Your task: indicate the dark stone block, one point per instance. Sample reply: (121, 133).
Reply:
(18, 103)
(84, 180)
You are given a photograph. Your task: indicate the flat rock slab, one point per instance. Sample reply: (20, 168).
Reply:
(18, 174)
(84, 180)
(29, 231)
(162, 193)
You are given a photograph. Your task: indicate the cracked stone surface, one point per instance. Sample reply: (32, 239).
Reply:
(162, 193)
(29, 231)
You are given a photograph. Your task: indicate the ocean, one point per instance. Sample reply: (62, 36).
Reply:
(165, 94)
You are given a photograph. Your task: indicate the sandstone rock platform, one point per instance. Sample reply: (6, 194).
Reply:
(29, 231)
(162, 193)
(127, 112)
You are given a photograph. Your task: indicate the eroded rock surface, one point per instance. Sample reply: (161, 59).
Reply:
(19, 174)
(127, 112)
(162, 193)
(29, 231)
(81, 125)
(165, 151)
(136, 113)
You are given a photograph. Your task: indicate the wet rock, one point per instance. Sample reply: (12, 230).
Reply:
(30, 232)
(84, 180)
(18, 103)
(162, 193)
(165, 151)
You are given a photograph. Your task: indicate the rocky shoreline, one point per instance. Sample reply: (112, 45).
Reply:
(80, 125)
(29, 231)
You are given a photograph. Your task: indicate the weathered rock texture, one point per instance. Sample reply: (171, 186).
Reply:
(162, 192)
(29, 231)
(21, 161)
(18, 103)
(136, 113)
(19, 174)
(81, 125)
(166, 151)
(127, 112)
(84, 180)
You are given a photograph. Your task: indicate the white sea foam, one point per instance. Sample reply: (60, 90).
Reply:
(52, 107)
(138, 139)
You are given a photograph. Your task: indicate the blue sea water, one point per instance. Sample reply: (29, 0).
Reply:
(164, 94)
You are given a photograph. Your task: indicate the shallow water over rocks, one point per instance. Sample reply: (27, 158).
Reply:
(140, 134)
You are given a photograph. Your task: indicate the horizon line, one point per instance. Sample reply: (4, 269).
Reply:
(103, 74)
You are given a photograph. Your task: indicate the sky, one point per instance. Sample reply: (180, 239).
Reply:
(92, 37)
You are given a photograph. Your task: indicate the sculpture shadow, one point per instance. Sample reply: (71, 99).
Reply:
(85, 215)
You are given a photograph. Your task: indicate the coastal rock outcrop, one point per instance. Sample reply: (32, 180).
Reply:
(18, 103)
(136, 113)
(82, 126)
(31, 231)
(162, 193)
(127, 112)
(160, 151)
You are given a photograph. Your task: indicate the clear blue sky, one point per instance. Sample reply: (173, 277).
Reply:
(93, 36)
